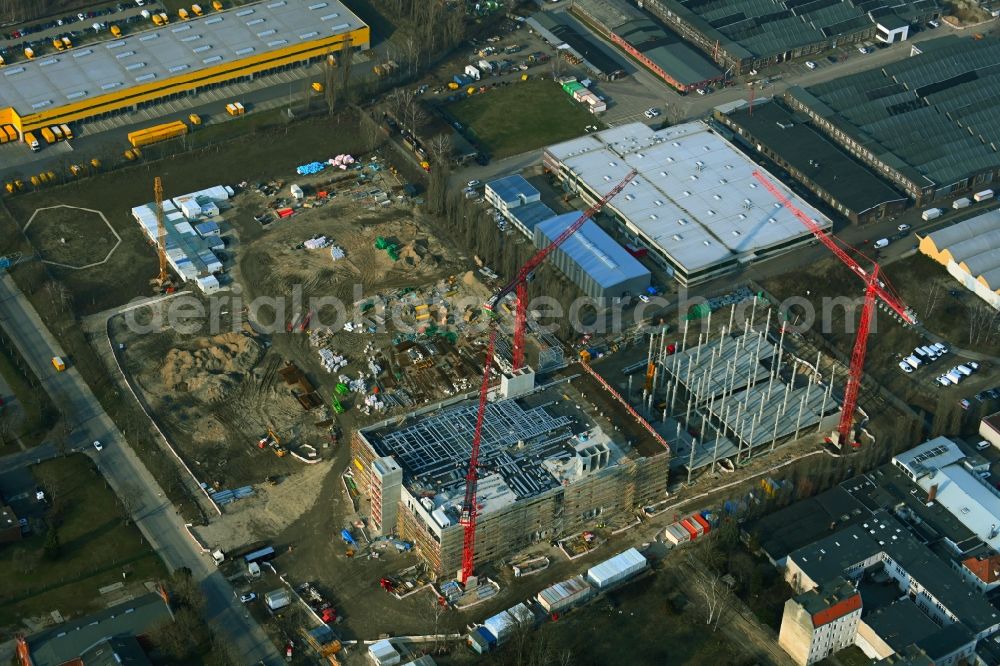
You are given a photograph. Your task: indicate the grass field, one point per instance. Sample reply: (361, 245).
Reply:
(96, 547)
(521, 117)
(36, 410)
(71, 236)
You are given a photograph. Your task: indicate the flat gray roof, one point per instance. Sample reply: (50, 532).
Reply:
(694, 198)
(156, 55)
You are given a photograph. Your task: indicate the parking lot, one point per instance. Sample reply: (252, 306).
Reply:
(78, 28)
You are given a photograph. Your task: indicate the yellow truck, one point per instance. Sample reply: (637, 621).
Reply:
(58, 363)
(67, 132)
(10, 132)
(195, 119)
(196, 10)
(183, 14)
(29, 138)
(156, 133)
(116, 31)
(29, 53)
(217, 5)
(48, 135)
(317, 86)
(58, 44)
(235, 109)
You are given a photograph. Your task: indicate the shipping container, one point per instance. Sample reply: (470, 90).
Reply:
(156, 133)
(48, 135)
(983, 196)
(481, 640)
(503, 624)
(693, 530)
(676, 534)
(58, 132)
(276, 599)
(705, 527)
(262, 555)
(961, 203)
(67, 132)
(931, 213)
(565, 594)
(621, 567)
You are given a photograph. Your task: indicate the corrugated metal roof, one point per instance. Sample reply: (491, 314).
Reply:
(564, 590)
(594, 251)
(624, 561)
(160, 54)
(529, 215)
(893, 110)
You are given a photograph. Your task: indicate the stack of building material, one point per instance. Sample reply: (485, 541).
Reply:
(337, 253)
(330, 361)
(317, 243)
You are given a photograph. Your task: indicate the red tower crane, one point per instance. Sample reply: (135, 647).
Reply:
(470, 509)
(876, 288)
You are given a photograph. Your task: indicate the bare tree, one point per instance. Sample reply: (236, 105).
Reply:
(441, 148)
(330, 78)
(128, 495)
(934, 292)
(714, 593)
(398, 103)
(982, 324)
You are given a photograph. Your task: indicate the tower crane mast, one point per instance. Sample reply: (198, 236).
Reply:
(876, 289)
(470, 508)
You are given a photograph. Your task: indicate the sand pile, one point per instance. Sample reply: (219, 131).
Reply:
(469, 279)
(415, 253)
(210, 367)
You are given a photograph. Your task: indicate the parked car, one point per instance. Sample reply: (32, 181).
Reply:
(644, 298)
(903, 227)
(964, 403)
(652, 112)
(702, 91)
(473, 184)
(972, 365)
(880, 243)
(247, 598)
(905, 367)
(98, 445)
(983, 445)
(811, 65)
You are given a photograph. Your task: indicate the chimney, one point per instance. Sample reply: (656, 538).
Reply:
(932, 493)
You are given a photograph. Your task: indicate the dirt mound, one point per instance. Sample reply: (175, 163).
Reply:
(212, 366)
(469, 279)
(415, 253)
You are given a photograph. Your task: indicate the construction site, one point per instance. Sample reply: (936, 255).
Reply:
(552, 463)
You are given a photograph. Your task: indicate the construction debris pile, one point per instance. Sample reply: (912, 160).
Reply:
(211, 367)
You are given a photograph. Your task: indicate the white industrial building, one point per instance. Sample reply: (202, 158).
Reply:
(955, 481)
(507, 193)
(192, 237)
(694, 202)
(970, 251)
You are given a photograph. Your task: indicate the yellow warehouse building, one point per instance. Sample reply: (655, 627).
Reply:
(970, 252)
(145, 68)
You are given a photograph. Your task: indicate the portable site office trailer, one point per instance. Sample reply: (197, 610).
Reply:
(621, 567)
(503, 624)
(931, 214)
(913, 362)
(961, 203)
(954, 376)
(704, 524)
(983, 196)
(676, 534)
(692, 527)
(565, 594)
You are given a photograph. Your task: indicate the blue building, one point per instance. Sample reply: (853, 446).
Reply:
(592, 259)
(507, 193)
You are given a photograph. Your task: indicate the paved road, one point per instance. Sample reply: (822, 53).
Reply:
(154, 515)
